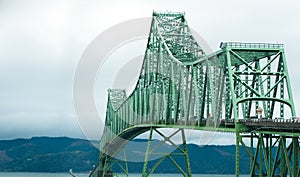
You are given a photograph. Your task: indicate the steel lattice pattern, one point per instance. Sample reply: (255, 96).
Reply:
(242, 88)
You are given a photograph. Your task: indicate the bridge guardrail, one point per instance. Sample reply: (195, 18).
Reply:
(251, 45)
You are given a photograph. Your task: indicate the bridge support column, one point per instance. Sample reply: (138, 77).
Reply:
(275, 155)
(104, 167)
(237, 155)
(122, 164)
(179, 151)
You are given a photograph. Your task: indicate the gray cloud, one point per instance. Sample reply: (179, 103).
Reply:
(41, 44)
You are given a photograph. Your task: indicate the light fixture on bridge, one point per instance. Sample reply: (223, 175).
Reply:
(259, 112)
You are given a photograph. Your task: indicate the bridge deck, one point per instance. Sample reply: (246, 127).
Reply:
(287, 126)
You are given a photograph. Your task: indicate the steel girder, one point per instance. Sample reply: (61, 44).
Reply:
(271, 155)
(182, 151)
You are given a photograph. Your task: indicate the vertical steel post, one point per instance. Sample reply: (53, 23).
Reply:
(295, 153)
(186, 154)
(237, 154)
(144, 172)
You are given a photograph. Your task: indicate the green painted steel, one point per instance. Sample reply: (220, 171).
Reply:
(275, 155)
(181, 152)
(243, 88)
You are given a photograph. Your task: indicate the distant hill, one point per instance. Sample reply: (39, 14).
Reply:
(210, 159)
(45, 154)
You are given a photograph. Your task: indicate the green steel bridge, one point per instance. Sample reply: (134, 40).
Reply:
(243, 88)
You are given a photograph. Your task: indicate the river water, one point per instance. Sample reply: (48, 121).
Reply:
(2, 174)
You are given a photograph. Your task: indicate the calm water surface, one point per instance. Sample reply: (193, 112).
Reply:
(86, 175)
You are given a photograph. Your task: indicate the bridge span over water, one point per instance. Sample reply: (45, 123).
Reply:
(243, 88)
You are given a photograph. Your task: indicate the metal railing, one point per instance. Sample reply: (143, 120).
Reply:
(251, 45)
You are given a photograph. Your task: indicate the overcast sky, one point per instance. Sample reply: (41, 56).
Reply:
(42, 41)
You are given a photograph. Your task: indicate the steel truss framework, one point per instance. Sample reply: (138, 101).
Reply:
(274, 155)
(182, 152)
(242, 88)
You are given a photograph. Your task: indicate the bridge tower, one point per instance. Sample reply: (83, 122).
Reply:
(258, 82)
(243, 88)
